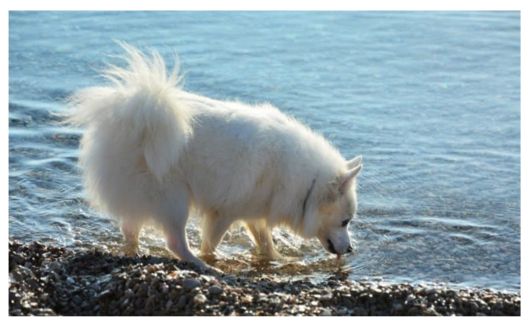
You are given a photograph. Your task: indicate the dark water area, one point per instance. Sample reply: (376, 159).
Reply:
(430, 99)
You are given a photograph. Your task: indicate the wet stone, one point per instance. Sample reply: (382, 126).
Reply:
(46, 280)
(326, 296)
(215, 290)
(181, 302)
(199, 299)
(191, 283)
(325, 312)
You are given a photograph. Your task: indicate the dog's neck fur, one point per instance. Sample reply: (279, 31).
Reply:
(297, 222)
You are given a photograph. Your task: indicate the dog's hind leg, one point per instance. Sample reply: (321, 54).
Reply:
(213, 229)
(262, 236)
(173, 215)
(130, 228)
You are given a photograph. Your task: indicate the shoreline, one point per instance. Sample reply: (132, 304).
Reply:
(48, 280)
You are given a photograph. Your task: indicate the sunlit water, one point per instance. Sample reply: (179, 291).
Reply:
(431, 100)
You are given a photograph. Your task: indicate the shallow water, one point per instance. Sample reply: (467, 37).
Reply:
(431, 100)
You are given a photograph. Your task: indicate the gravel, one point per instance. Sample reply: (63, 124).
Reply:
(47, 280)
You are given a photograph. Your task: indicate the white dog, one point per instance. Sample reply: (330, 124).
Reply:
(153, 150)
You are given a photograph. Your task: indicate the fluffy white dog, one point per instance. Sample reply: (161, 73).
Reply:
(153, 150)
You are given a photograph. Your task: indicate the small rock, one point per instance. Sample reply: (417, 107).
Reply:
(410, 299)
(44, 296)
(149, 303)
(215, 290)
(430, 312)
(343, 311)
(300, 308)
(104, 294)
(326, 296)
(199, 299)
(397, 306)
(190, 283)
(182, 302)
(247, 299)
(275, 301)
(262, 297)
(128, 293)
(325, 311)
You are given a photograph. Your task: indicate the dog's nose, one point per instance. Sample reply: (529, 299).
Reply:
(331, 247)
(350, 249)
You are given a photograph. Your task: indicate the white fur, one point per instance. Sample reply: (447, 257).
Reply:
(153, 150)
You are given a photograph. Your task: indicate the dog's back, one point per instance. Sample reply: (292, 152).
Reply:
(144, 134)
(249, 160)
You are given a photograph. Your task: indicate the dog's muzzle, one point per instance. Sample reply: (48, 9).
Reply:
(332, 249)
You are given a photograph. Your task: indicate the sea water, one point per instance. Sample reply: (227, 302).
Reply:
(430, 99)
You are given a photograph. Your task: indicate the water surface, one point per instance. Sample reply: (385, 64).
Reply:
(430, 99)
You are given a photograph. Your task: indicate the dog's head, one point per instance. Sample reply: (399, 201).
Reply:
(335, 208)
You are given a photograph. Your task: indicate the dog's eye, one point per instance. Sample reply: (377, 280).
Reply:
(345, 222)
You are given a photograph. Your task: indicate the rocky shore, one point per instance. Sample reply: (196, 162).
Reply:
(45, 280)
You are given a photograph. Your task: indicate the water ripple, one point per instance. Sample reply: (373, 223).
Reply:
(431, 100)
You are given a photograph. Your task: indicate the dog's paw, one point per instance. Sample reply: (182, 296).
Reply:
(204, 268)
(201, 267)
(273, 255)
(214, 271)
(129, 251)
(288, 259)
(209, 258)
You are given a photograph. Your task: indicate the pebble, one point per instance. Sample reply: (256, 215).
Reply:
(182, 302)
(215, 290)
(247, 299)
(199, 299)
(191, 283)
(326, 296)
(47, 280)
(325, 312)
(397, 306)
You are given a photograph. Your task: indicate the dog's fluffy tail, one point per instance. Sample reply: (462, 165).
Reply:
(140, 102)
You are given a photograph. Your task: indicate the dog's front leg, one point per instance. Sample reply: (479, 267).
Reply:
(214, 226)
(263, 238)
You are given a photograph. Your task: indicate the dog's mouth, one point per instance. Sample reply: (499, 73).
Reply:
(331, 247)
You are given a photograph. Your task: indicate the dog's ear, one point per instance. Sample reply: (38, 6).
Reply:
(354, 162)
(341, 184)
(346, 179)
